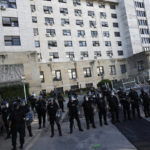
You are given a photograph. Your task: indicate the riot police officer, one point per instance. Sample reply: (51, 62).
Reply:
(41, 111)
(5, 114)
(134, 98)
(73, 113)
(125, 103)
(61, 101)
(102, 109)
(88, 112)
(114, 107)
(146, 102)
(17, 124)
(52, 109)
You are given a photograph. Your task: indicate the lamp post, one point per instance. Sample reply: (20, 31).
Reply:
(24, 87)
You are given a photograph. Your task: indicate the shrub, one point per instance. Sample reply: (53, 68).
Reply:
(103, 82)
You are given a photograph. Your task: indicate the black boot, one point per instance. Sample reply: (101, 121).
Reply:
(14, 148)
(21, 146)
(39, 126)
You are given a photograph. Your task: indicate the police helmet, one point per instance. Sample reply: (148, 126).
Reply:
(86, 98)
(72, 98)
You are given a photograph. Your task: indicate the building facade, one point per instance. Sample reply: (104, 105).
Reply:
(78, 42)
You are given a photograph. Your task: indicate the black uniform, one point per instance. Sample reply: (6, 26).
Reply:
(5, 114)
(52, 109)
(125, 103)
(17, 119)
(133, 95)
(32, 100)
(146, 103)
(61, 101)
(41, 111)
(102, 110)
(114, 108)
(73, 114)
(89, 113)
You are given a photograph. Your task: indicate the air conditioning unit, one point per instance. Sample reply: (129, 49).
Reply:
(46, 23)
(49, 47)
(50, 24)
(81, 57)
(95, 57)
(52, 35)
(33, 10)
(81, 25)
(92, 16)
(71, 58)
(47, 35)
(2, 7)
(51, 59)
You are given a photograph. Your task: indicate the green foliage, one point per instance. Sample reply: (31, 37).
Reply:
(103, 82)
(14, 91)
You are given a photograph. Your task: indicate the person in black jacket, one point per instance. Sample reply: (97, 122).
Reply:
(52, 109)
(146, 102)
(102, 109)
(135, 100)
(125, 103)
(41, 111)
(114, 107)
(17, 124)
(88, 112)
(61, 101)
(73, 113)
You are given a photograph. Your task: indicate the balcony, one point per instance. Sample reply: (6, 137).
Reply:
(113, 1)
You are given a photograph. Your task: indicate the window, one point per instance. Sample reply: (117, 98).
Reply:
(78, 12)
(92, 24)
(104, 24)
(141, 13)
(95, 43)
(119, 43)
(57, 75)
(49, 21)
(67, 32)
(35, 31)
(81, 33)
(107, 43)
(64, 11)
(8, 3)
(91, 13)
(140, 66)
(54, 55)
(97, 54)
(51, 32)
(76, 2)
(33, 8)
(100, 70)
(103, 15)
(112, 6)
(144, 31)
(94, 33)
(106, 33)
(12, 40)
(123, 68)
(117, 34)
(120, 53)
(84, 54)
(52, 44)
(116, 25)
(101, 5)
(109, 53)
(72, 74)
(37, 43)
(146, 40)
(10, 21)
(88, 3)
(42, 76)
(34, 19)
(142, 22)
(47, 9)
(70, 54)
(139, 4)
(113, 15)
(62, 1)
(79, 22)
(87, 72)
(112, 70)
(65, 22)
(68, 43)
(82, 43)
